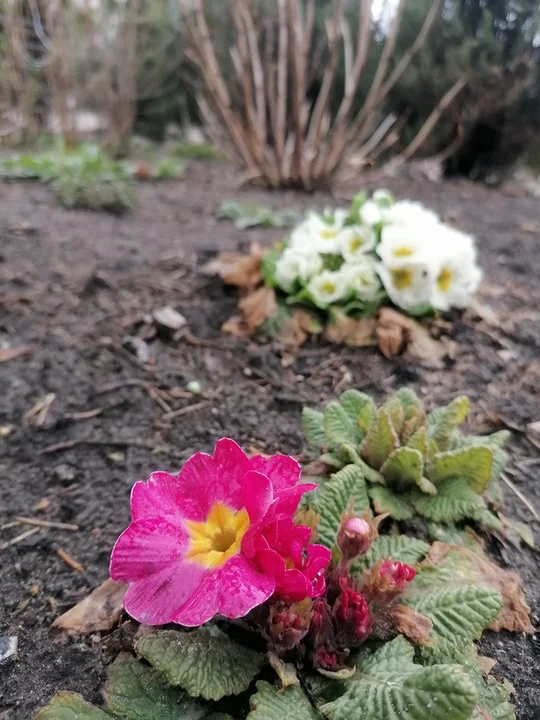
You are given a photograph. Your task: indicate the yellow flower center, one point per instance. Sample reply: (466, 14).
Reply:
(356, 242)
(402, 278)
(445, 280)
(403, 251)
(328, 287)
(219, 538)
(329, 233)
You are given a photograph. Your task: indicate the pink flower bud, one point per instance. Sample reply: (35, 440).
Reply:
(326, 659)
(386, 581)
(351, 616)
(354, 537)
(398, 574)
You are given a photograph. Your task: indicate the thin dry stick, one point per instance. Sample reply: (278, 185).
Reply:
(19, 538)
(520, 495)
(71, 562)
(46, 523)
(280, 132)
(428, 126)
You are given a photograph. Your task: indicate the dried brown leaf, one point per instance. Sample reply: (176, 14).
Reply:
(475, 567)
(257, 306)
(425, 350)
(296, 330)
(355, 333)
(236, 326)
(243, 271)
(96, 613)
(412, 624)
(396, 332)
(317, 468)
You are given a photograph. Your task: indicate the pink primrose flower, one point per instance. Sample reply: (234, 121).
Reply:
(183, 553)
(283, 550)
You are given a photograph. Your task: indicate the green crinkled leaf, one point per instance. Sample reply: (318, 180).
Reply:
(472, 464)
(135, 691)
(359, 407)
(442, 422)
(338, 426)
(380, 441)
(268, 266)
(384, 500)
(394, 656)
(205, 662)
(494, 441)
(410, 402)
(402, 548)
(349, 453)
(403, 469)
(454, 501)
(394, 408)
(313, 423)
(70, 706)
(440, 692)
(458, 615)
(494, 699)
(419, 441)
(343, 488)
(270, 702)
(332, 460)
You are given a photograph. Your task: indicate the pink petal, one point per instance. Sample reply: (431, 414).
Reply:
(283, 470)
(294, 586)
(146, 547)
(286, 503)
(156, 599)
(214, 478)
(318, 559)
(232, 590)
(160, 496)
(271, 563)
(257, 494)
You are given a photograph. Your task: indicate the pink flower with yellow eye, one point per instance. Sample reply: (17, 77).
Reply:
(183, 556)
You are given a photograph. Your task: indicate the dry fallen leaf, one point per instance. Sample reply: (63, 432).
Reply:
(239, 269)
(530, 226)
(296, 330)
(412, 624)
(483, 312)
(356, 333)
(12, 353)
(236, 326)
(469, 566)
(96, 613)
(396, 331)
(257, 306)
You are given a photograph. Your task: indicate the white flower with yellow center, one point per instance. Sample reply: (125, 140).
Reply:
(295, 265)
(408, 284)
(406, 244)
(456, 274)
(318, 232)
(370, 213)
(355, 241)
(361, 278)
(327, 288)
(410, 214)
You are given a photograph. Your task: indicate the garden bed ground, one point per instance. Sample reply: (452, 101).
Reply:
(73, 284)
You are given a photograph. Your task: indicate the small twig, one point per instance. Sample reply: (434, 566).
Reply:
(19, 538)
(85, 415)
(73, 564)
(156, 398)
(185, 410)
(9, 525)
(68, 444)
(46, 523)
(520, 495)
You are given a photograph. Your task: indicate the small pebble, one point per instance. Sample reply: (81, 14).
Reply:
(8, 649)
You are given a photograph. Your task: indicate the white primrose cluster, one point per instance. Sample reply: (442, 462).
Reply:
(379, 248)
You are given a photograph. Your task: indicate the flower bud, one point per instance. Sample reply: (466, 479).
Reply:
(386, 581)
(321, 631)
(287, 625)
(326, 659)
(351, 616)
(355, 537)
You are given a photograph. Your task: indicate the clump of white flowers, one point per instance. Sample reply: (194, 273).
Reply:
(376, 252)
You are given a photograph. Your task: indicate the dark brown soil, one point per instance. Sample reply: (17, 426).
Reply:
(74, 284)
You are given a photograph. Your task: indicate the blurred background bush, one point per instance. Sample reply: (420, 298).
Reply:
(112, 69)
